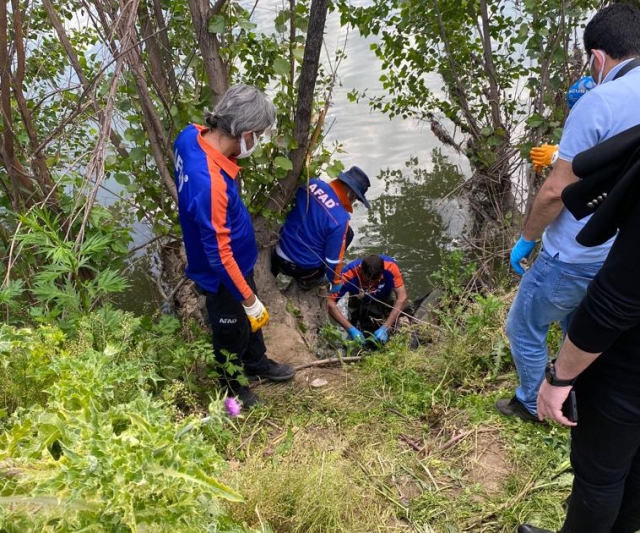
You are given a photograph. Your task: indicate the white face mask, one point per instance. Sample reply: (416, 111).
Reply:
(244, 151)
(602, 58)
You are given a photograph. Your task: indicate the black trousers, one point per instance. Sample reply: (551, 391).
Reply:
(368, 315)
(605, 454)
(232, 333)
(305, 275)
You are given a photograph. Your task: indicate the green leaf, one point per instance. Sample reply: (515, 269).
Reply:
(281, 66)
(246, 24)
(535, 120)
(283, 162)
(216, 24)
(202, 479)
(137, 154)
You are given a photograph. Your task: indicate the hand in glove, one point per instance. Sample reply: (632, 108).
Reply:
(522, 250)
(382, 334)
(257, 314)
(356, 334)
(543, 156)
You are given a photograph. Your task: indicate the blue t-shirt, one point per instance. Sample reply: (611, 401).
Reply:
(610, 108)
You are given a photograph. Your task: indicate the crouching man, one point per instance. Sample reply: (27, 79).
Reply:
(377, 297)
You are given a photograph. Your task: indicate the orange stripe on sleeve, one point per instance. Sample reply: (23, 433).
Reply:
(395, 272)
(341, 256)
(219, 203)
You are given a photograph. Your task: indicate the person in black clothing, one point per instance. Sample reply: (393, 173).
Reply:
(600, 356)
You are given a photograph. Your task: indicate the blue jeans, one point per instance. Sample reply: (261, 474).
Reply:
(550, 291)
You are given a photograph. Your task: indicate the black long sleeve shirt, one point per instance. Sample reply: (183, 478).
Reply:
(608, 319)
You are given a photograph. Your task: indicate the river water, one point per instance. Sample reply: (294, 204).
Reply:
(413, 216)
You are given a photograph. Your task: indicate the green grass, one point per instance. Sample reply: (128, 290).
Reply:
(404, 441)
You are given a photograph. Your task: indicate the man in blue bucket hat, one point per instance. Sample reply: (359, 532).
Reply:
(316, 232)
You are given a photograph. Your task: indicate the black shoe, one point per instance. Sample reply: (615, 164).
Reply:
(526, 528)
(245, 395)
(514, 407)
(272, 371)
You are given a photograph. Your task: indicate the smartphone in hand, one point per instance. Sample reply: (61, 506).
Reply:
(570, 408)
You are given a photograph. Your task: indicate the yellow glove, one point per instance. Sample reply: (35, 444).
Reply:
(257, 314)
(543, 156)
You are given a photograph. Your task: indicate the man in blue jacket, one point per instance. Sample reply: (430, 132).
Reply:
(316, 231)
(218, 234)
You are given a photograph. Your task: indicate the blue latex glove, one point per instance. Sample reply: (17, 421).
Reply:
(334, 288)
(522, 250)
(382, 334)
(356, 334)
(579, 89)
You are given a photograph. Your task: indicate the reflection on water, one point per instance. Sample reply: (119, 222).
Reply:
(414, 219)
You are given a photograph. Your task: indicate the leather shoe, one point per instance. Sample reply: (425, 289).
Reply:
(514, 407)
(526, 528)
(272, 371)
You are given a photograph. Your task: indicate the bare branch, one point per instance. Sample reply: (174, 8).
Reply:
(165, 48)
(459, 89)
(217, 7)
(96, 164)
(494, 94)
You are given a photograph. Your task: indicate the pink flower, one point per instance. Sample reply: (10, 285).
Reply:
(232, 406)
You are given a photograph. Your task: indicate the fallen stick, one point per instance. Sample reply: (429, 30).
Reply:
(331, 361)
(453, 440)
(416, 447)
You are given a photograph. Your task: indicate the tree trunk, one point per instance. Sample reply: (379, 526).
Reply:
(214, 66)
(310, 307)
(285, 191)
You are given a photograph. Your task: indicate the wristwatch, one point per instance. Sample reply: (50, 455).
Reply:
(552, 379)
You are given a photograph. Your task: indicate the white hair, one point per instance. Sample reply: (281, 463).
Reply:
(242, 108)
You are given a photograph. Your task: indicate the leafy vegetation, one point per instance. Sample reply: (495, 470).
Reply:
(503, 67)
(405, 441)
(112, 422)
(90, 444)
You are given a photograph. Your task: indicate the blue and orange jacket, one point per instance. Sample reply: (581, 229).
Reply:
(315, 231)
(216, 226)
(352, 280)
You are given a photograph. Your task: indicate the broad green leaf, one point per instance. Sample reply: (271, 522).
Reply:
(283, 162)
(281, 66)
(216, 24)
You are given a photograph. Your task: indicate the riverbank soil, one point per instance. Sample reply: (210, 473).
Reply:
(404, 440)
